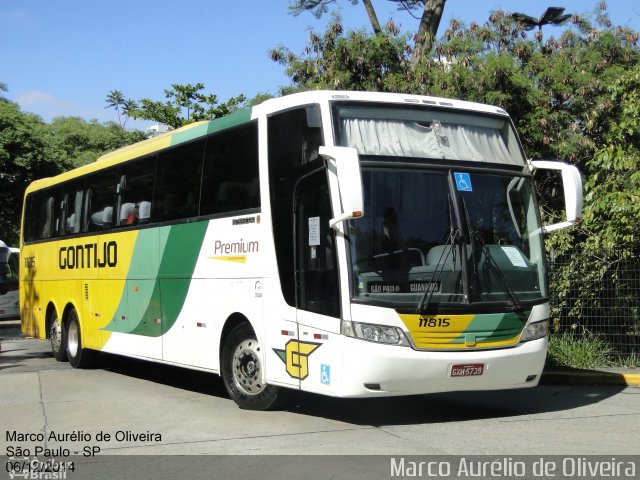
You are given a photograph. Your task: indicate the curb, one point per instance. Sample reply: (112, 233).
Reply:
(589, 377)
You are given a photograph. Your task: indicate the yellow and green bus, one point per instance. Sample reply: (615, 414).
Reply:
(351, 244)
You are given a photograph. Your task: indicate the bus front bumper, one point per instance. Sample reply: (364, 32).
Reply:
(370, 370)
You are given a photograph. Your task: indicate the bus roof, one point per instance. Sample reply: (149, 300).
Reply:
(198, 129)
(314, 96)
(171, 138)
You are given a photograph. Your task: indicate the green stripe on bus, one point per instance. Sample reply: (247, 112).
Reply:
(231, 120)
(162, 296)
(495, 327)
(179, 260)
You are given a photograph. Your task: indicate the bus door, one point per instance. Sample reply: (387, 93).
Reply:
(314, 360)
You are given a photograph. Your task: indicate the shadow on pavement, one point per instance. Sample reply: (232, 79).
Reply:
(192, 380)
(418, 409)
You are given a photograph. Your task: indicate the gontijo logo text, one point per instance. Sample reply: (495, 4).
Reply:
(89, 255)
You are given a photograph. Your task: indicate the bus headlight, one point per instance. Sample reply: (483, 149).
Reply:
(375, 333)
(535, 330)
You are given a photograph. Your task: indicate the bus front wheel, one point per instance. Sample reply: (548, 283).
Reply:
(79, 357)
(243, 373)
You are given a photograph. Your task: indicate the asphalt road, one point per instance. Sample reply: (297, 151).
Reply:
(131, 408)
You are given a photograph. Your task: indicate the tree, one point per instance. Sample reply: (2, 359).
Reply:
(184, 104)
(320, 7)
(612, 210)
(123, 106)
(83, 141)
(26, 153)
(424, 37)
(340, 60)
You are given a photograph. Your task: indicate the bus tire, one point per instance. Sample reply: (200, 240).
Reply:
(56, 337)
(242, 372)
(78, 356)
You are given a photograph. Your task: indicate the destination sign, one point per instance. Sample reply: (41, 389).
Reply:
(403, 287)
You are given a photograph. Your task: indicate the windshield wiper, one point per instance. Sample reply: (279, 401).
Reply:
(452, 241)
(476, 239)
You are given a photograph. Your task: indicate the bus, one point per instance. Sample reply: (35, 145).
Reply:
(350, 244)
(9, 274)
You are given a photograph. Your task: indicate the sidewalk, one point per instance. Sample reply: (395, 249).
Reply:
(603, 376)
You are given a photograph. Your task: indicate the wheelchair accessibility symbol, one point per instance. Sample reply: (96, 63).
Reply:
(463, 182)
(325, 374)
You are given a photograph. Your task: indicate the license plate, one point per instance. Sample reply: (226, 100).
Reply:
(467, 369)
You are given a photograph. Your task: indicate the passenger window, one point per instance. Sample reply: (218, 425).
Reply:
(48, 217)
(100, 196)
(34, 216)
(135, 189)
(72, 216)
(178, 185)
(230, 179)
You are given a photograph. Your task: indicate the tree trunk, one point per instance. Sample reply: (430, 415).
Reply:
(373, 18)
(428, 28)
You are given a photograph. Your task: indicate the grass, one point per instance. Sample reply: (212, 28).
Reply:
(580, 351)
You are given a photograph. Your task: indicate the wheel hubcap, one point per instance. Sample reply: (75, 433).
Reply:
(55, 335)
(247, 374)
(72, 339)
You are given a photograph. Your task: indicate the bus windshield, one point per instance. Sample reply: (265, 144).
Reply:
(426, 241)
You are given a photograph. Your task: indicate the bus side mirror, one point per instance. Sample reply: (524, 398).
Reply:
(572, 185)
(347, 167)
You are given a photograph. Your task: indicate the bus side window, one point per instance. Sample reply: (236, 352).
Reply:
(99, 201)
(50, 216)
(230, 178)
(135, 187)
(177, 192)
(72, 211)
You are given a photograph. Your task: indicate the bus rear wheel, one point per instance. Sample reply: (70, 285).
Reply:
(56, 338)
(79, 357)
(243, 372)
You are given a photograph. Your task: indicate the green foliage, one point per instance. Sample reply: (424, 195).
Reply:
(122, 105)
(184, 104)
(612, 211)
(83, 141)
(429, 18)
(354, 60)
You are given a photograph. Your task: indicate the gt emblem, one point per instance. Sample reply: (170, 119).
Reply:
(295, 357)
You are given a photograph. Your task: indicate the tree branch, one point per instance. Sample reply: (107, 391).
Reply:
(373, 18)
(428, 28)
